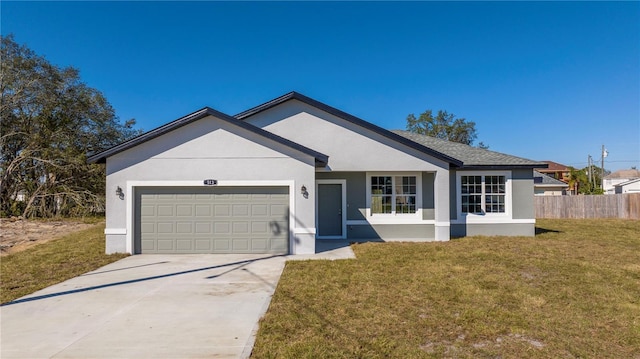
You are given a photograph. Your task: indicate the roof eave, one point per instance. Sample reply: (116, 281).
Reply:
(499, 167)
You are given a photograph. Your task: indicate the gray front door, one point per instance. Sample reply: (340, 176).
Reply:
(212, 220)
(329, 210)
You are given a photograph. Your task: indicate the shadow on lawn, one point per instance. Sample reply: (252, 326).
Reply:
(540, 230)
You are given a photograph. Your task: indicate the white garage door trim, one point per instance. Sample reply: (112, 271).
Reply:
(132, 184)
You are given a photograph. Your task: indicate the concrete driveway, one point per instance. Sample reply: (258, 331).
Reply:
(146, 306)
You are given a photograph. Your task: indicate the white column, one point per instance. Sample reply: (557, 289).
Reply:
(442, 205)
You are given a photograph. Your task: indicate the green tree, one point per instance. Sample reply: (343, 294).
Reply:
(445, 126)
(50, 120)
(581, 178)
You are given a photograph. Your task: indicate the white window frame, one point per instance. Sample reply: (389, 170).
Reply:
(395, 217)
(484, 217)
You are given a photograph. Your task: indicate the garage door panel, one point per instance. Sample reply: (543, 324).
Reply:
(184, 244)
(184, 227)
(165, 244)
(258, 210)
(222, 244)
(222, 227)
(259, 227)
(148, 245)
(203, 228)
(278, 210)
(240, 244)
(165, 228)
(212, 220)
(183, 210)
(278, 246)
(148, 228)
(148, 210)
(222, 210)
(202, 244)
(203, 210)
(240, 210)
(165, 210)
(240, 227)
(259, 245)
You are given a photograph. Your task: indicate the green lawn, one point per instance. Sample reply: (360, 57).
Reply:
(52, 262)
(573, 291)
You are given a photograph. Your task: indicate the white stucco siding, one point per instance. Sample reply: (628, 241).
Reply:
(210, 149)
(349, 147)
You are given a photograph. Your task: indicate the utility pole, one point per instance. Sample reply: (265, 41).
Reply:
(589, 172)
(604, 154)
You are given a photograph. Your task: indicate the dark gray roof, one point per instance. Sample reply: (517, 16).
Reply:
(471, 157)
(321, 159)
(545, 180)
(353, 119)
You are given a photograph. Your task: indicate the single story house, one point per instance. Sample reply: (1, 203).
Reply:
(276, 177)
(631, 186)
(610, 181)
(544, 185)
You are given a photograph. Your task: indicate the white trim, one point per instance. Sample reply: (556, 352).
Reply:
(343, 186)
(495, 221)
(115, 231)
(304, 231)
(485, 217)
(443, 224)
(362, 222)
(394, 218)
(199, 183)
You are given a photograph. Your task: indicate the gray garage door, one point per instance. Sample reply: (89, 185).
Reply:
(212, 220)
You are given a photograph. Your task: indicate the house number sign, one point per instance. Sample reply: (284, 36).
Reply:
(210, 182)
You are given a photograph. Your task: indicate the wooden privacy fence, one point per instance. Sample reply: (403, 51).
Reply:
(625, 205)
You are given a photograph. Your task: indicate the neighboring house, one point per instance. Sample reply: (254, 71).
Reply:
(557, 171)
(544, 185)
(609, 182)
(632, 186)
(275, 178)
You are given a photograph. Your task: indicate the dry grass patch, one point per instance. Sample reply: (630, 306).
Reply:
(52, 262)
(573, 291)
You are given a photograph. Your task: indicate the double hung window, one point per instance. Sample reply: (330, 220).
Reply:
(483, 194)
(393, 194)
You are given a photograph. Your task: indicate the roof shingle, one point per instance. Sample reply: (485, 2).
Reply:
(471, 157)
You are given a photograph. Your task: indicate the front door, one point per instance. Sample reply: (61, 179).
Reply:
(330, 210)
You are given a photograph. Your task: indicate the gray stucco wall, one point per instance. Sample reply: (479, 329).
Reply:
(522, 188)
(428, 198)
(488, 229)
(356, 210)
(356, 192)
(392, 232)
(521, 209)
(349, 146)
(453, 195)
(352, 148)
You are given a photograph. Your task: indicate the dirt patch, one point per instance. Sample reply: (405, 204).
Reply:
(18, 234)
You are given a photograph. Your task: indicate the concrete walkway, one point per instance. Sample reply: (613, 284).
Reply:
(150, 306)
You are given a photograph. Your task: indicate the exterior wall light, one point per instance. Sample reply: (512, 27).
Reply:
(119, 192)
(304, 192)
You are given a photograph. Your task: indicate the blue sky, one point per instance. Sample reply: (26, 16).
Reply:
(542, 80)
